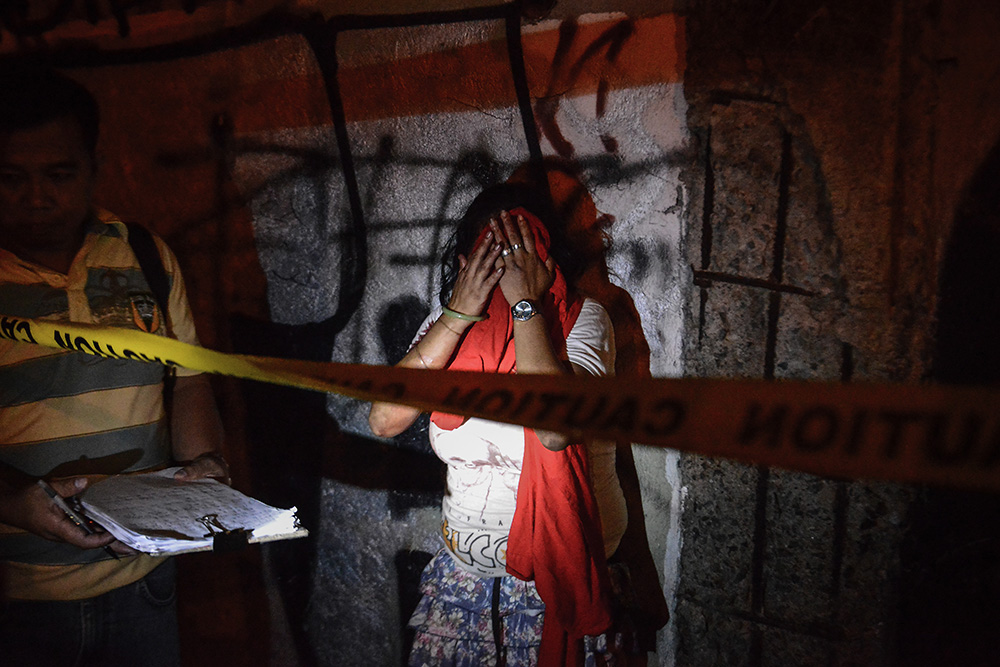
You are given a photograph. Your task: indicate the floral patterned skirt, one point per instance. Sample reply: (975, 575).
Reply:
(453, 621)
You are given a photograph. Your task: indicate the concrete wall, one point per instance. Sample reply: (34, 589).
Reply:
(432, 118)
(822, 202)
(782, 182)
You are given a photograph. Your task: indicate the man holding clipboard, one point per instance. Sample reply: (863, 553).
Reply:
(71, 594)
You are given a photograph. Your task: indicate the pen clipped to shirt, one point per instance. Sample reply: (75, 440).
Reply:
(74, 516)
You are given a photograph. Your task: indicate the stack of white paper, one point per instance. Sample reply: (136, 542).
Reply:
(156, 514)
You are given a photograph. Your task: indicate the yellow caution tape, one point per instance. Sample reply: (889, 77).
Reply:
(904, 433)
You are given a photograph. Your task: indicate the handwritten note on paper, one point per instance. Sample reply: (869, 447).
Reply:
(154, 513)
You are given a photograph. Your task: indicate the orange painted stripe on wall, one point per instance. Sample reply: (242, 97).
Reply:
(594, 57)
(613, 54)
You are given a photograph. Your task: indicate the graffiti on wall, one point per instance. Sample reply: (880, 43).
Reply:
(300, 196)
(279, 169)
(119, 23)
(25, 20)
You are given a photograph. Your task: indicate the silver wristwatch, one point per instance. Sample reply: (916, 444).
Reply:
(523, 310)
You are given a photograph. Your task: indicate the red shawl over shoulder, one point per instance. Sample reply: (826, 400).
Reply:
(555, 538)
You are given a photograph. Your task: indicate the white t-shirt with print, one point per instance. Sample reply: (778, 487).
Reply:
(484, 463)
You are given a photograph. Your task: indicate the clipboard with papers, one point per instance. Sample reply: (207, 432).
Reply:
(156, 514)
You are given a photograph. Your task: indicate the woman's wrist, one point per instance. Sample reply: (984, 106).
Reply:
(456, 320)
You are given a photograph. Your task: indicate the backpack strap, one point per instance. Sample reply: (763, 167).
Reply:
(144, 248)
(145, 251)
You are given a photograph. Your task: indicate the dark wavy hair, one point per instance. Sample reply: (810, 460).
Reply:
(32, 95)
(488, 204)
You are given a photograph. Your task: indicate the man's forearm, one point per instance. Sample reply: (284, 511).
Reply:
(196, 427)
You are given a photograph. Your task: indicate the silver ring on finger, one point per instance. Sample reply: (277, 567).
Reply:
(515, 247)
(505, 252)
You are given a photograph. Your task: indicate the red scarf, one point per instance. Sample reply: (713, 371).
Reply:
(555, 538)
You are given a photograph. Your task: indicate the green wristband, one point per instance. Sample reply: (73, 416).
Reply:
(462, 316)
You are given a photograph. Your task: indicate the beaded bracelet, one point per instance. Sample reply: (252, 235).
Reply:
(462, 316)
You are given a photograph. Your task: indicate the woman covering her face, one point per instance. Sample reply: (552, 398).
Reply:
(529, 517)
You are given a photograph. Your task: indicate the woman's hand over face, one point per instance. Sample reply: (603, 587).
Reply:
(477, 276)
(525, 275)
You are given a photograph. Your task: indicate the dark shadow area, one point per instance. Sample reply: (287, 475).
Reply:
(293, 444)
(409, 566)
(632, 359)
(966, 349)
(286, 430)
(370, 464)
(951, 560)
(222, 608)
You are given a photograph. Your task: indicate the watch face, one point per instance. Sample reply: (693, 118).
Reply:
(523, 310)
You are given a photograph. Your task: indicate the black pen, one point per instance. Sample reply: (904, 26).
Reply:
(72, 514)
